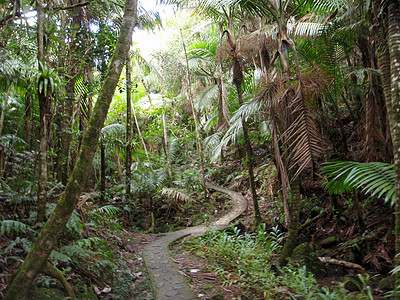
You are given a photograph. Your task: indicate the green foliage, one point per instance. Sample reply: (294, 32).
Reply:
(374, 178)
(247, 261)
(23, 243)
(47, 80)
(9, 226)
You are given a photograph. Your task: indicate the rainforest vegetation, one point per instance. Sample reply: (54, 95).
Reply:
(115, 115)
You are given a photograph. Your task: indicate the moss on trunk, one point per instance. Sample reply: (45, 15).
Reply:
(292, 239)
(53, 228)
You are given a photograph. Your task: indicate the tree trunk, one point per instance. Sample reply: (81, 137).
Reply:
(66, 135)
(196, 123)
(128, 161)
(292, 238)
(394, 49)
(5, 104)
(102, 172)
(53, 228)
(28, 113)
(250, 161)
(384, 66)
(141, 137)
(223, 112)
(165, 133)
(46, 118)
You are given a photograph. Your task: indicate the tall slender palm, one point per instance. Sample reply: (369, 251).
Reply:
(299, 133)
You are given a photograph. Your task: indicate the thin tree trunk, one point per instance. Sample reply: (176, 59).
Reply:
(128, 161)
(46, 117)
(141, 137)
(165, 132)
(143, 82)
(103, 178)
(394, 49)
(283, 174)
(68, 107)
(52, 230)
(28, 113)
(238, 81)
(293, 233)
(196, 123)
(5, 104)
(384, 66)
(66, 135)
(223, 112)
(250, 161)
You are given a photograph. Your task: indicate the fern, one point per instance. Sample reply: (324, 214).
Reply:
(8, 226)
(75, 251)
(24, 242)
(90, 242)
(373, 178)
(56, 257)
(107, 210)
(74, 224)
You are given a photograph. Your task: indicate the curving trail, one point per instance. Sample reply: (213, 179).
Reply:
(166, 280)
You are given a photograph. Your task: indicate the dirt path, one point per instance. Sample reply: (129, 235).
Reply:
(167, 282)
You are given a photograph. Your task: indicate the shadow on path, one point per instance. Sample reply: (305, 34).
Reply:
(167, 282)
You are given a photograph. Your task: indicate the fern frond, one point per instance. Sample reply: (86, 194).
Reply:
(107, 210)
(373, 178)
(8, 226)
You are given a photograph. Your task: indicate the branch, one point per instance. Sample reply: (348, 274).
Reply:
(9, 17)
(308, 222)
(52, 271)
(72, 6)
(342, 263)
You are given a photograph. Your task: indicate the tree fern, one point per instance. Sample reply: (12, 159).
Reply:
(373, 178)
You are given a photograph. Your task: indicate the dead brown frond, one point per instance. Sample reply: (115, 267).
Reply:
(302, 137)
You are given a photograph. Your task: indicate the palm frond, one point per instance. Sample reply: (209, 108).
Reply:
(308, 29)
(205, 97)
(113, 131)
(211, 142)
(233, 135)
(176, 195)
(148, 19)
(373, 178)
(302, 136)
(174, 148)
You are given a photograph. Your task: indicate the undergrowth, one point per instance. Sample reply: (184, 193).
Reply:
(248, 262)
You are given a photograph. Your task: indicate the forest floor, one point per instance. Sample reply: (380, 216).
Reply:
(335, 233)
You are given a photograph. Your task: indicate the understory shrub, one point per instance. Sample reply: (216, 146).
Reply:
(248, 261)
